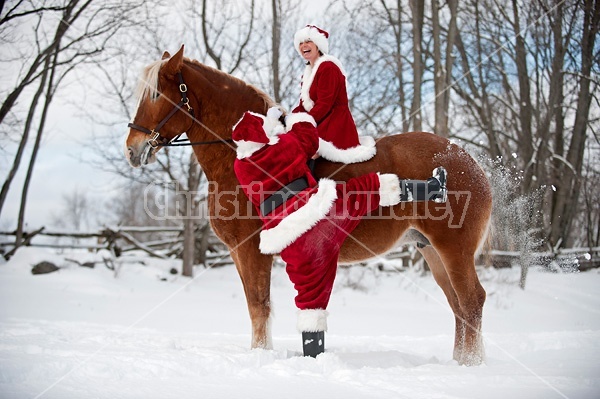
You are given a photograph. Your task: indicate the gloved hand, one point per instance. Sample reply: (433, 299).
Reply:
(274, 112)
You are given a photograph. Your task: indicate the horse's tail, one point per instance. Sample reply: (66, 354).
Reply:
(485, 246)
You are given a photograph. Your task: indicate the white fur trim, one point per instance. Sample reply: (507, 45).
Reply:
(309, 33)
(242, 117)
(274, 112)
(389, 189)
(274, 240)
(272, 127)
(362, 152)
(247, 148)
(298, 117)
(309, 76)
(312, 320)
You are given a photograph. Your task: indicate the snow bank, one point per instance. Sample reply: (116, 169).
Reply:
(81, 332)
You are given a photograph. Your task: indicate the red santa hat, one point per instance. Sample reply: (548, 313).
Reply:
(253, 131)
(313, 34)
(250, 128)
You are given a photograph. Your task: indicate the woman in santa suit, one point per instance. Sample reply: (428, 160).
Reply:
(304, 220)
(324, 97)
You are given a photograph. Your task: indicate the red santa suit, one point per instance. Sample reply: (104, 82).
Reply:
(309, 228)
(324, 97)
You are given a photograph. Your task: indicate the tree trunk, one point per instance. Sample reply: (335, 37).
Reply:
(11, 99)
(276, 44)
(418, 15)
(202, 235)
(189, 219)
(443, 67)
(45, 57)
(568, 192)
(524, 132)
(49, 95)
(19, 155)
(189, 240)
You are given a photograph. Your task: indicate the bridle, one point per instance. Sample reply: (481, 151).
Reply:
(156, 140)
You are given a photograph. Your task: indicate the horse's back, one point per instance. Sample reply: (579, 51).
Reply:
(414, 156)
(411, 155)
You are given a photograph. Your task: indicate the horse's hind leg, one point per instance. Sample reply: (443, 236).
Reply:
(441, 277)
(254, 269)
(460, 268)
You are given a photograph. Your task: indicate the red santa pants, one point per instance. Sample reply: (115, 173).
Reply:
(312, 259)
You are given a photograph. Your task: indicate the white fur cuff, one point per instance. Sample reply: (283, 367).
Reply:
(361, 153)
(312, 320)
(298, 117)
(389, 189)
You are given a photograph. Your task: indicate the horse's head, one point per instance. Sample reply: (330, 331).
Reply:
(163, 112)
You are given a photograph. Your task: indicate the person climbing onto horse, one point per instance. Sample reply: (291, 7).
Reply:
(324, 96)
(305, 220)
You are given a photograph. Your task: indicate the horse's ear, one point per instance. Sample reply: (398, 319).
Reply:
(166, 55)
(174, 64)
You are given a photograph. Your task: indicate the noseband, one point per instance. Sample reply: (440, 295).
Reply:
(156, 140)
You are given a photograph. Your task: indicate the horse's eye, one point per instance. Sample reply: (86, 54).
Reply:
(155, 95)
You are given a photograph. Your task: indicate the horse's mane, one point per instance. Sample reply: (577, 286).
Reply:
(148, 83)
(231, 80)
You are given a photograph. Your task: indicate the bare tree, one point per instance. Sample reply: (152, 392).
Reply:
(418, 17)
(275, 46)
(523, 78)
(223, 33)
(226, 30)
(191, 203)
(44, 61)
(75, 212)
(442, 69)
(563, 211)
(53, 62)
(373, 38)
(285, 83)
(525, 108)
(283, 72)
(520, 76)
(14, 15)
(589, 220)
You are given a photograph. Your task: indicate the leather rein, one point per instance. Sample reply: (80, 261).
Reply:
(156, 140)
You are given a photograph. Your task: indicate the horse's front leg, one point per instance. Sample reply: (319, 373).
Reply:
(254, 269)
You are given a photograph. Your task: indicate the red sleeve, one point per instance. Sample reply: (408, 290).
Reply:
(328, 81)
(299, 108)
(307, 136)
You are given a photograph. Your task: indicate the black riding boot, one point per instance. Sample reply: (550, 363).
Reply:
(313, 343)
(432, 189)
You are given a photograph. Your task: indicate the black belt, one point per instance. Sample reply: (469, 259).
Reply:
(283, 194)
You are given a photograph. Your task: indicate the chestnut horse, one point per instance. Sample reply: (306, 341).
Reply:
(183, 95)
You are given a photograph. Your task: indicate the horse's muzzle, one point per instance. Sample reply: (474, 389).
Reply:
(140, 157)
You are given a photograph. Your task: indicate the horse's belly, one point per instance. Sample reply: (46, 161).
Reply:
(373, 236)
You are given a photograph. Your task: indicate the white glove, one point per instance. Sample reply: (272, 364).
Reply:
(274, 112)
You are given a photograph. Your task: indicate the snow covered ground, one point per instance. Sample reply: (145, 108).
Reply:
(82, 333)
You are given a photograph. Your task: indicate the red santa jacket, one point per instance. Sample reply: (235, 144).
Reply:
(268, 159)
(324, 97)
